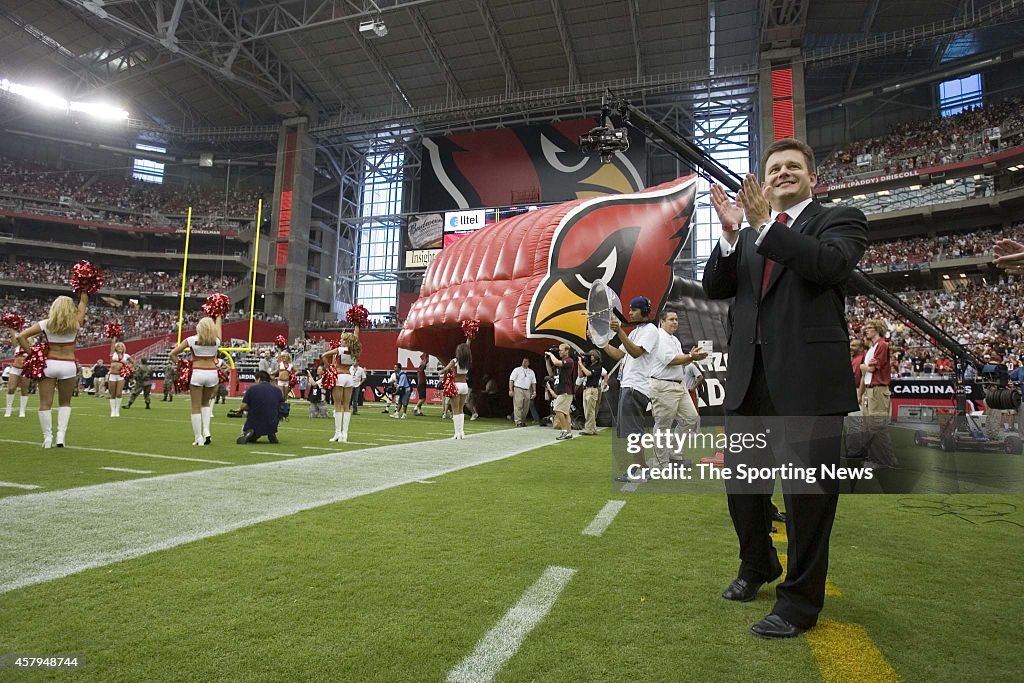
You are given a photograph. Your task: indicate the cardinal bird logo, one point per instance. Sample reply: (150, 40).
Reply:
(539, 164)
(628, 241)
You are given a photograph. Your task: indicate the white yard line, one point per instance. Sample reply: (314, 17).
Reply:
(501, 643)
(43, 537)
(283, 455)
(604, 518)
(125, 469)
(23, 487)
(111, 450)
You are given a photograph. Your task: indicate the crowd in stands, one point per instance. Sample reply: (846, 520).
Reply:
(915, 250)
(58, 273)
(930, 142)
(987, 319)
(374, 324)
(102, 193)
(139, 322)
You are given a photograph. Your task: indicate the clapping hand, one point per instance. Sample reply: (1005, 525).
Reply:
(1009, 256)
(754, 198)
(696, 353)
(729, 213)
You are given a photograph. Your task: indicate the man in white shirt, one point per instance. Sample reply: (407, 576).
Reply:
(637, 354)
(522, 387)
(670, 401)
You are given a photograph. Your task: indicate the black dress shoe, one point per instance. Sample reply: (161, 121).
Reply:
(272, 438)
(779, 516)
(774, 626)
(742, 590)
(246, 437)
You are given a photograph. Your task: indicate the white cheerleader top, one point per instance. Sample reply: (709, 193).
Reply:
(201, 351)
(344, 358)
(116, 357)
(285, 368)
(57, 338)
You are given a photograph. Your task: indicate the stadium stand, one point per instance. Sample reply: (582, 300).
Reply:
(929, 142)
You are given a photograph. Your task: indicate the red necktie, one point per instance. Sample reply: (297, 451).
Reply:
(769, 265)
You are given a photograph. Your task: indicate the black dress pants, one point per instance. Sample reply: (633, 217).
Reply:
(789, 442)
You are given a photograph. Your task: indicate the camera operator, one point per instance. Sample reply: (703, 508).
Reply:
(261, 405)
(565, 389)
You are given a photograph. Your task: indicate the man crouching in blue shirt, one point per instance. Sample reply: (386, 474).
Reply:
(262, 407)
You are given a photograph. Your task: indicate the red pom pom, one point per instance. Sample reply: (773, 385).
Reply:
(13, 321)
(222, 375)
(293, 381)
(448, 385)
(85, 277)
(217, 304)
(358, 315)
(35, 364)
(470, 328)
(113, 330)
(183, 376)
(335, 344)
(330, 378)
(281, 341)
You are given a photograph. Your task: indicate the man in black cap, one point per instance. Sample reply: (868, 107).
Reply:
(261, 405)
(637, 355)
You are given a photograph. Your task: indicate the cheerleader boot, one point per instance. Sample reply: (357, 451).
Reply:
(197, 429)
(10, 405)
(346, 418)
(337, 426)
(457, 421)
(46, 423)
(206, 412)
(113, 410)
(63, 418)
(24, 404)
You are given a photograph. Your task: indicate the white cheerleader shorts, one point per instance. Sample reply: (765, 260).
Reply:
(463, 388)
(202, 377)
(60, 369)
(345, 381)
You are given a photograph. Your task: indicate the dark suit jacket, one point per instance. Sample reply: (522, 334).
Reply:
(804, 338)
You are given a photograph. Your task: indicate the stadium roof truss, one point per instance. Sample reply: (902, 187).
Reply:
(231, 70)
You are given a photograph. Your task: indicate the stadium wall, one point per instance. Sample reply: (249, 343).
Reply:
(263, 332)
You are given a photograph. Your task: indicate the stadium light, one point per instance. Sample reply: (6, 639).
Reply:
(45, 98)
(101, 111)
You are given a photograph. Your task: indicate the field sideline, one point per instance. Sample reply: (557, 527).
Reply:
(404, 556)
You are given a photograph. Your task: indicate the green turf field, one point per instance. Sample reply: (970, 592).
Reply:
(400, 560)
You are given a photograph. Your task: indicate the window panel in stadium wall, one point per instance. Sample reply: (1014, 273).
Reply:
(523, 165)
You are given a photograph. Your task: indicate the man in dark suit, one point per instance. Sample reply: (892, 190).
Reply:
(789, 370)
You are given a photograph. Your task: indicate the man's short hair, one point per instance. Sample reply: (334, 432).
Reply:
(263, 376)
(790, 143)
(665, 313)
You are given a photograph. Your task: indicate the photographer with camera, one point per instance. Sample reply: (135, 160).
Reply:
(261, 406)
(565, 389)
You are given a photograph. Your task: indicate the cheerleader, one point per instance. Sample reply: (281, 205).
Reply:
(60, 330)
(15, 381)
(341, 360)
(115, 381)
(284, 373)
(203, 382)
(460, 366)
